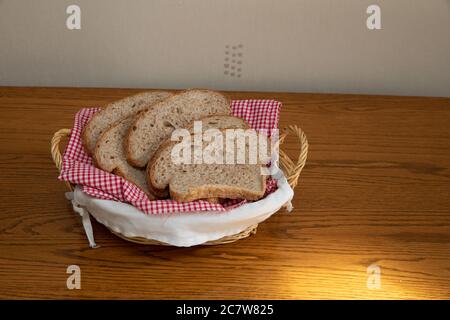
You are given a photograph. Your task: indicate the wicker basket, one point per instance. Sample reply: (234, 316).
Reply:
(292, 170)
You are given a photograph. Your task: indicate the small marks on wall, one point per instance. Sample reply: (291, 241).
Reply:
(233, 61)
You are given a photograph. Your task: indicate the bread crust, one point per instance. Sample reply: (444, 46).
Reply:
(217, 191)
(151, 166)
(158, 193)
(84, 138)
(96, 155)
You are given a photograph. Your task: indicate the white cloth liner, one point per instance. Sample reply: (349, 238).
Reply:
(179, 229)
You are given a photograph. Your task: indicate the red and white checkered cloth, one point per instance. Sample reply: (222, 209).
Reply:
(78, 167)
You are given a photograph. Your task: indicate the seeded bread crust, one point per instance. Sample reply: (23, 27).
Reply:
(159, 193)
(216, 191)
(155, 125)
(115, 112)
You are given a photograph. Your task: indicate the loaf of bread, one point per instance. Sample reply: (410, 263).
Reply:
(109, 155)
(155, 125)
(188, 182)
(117, 111)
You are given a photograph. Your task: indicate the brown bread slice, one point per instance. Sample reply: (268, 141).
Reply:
(155, 125)
(117, 111)
(238, 182)
(210, 122)
(109, 155)
(188, 182)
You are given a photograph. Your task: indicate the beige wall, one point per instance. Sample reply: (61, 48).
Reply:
(314, 45)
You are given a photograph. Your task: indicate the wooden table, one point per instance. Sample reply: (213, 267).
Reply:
(375, 191)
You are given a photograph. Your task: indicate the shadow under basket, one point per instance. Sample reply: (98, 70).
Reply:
(291, 170)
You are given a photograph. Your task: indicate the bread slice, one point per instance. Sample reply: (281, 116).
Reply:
(117, 111)
(210, 122)
(188, 182)
(155, 125)
(109, 155)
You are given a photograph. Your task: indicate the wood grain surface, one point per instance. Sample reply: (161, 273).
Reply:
(375, 190)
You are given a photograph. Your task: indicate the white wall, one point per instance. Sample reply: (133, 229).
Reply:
(313, 45)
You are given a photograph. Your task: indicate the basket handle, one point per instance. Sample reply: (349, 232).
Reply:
(293, 169)
(56, 152)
